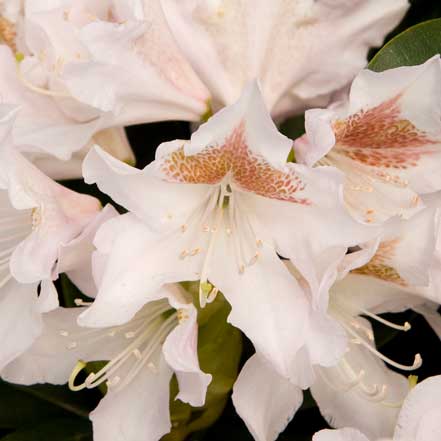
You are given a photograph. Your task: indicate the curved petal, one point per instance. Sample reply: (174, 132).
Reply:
(346, 434)
(158, 82)
(162, 205)
(41, 125)
(261, 135)
(420, 412)
(316, 249)
(387, 140)
(58, 215)
(139, 262)
(20, 320)
(344, 404)
(181, 353)
(264, 400)
(280, 43)
(266, 302)
(75, 257)
(60, 346)
(138, 411)
(48, 297)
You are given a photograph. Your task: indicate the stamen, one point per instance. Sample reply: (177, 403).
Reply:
(77, 369)
(406, 327)
(358, 340)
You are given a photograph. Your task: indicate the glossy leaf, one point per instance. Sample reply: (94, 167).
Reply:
(413, 46)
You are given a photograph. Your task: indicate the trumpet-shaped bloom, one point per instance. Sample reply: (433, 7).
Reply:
(357, 390)
(140, 77)
(149, 51)
(293, 47)
(142, 355)
(418, 420)
(386, 139)
(206, 210)
(38, 218)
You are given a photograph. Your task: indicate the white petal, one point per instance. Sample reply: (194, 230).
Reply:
(147, 79)
(266, 302)
(280, 43)
(181, 353)
(139, 411)
(299, 234)
(346, 434)
(261, 134)
(139, 263)
(264, 400)
(61, 345)
(353, 408)
(41, 125)
(75, 257)
(48, 298)
(161, 204)
(386, 170)
(420, 412)
(20, 320)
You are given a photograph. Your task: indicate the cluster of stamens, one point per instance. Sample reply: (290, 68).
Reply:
(223, 213)
(362, 335)
(145, 334)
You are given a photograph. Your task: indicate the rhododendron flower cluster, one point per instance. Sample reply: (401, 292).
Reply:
(299, 245)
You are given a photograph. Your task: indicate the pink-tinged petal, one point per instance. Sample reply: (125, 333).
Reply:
(41, 126)
(181, 354)
(48, 296)
(265, 400)
(294, 48)
(162, 205)
(370, 293)
(260, 136)
(420, 413)
(387, 140)
(139, 263)
(298, 233)
(320, 137)
(407, 250)
(58, 216)
(75, 257)
(20, 320)
(158, 82)
(54, 354)
(266, 302)
(138, 411)
(344, 404)
(346, 434)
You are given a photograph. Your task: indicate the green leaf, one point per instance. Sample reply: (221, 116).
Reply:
(413, 46)
(61, 429)
(23, 405)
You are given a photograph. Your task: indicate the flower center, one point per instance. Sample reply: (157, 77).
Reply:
(144, 336)
(222, 215)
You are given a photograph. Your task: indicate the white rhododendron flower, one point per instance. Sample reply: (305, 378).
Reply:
(148, 52)
(143, 354)
(293, 47)
(386, 139)
(418, 420)
(399, 272)
(39, 220)
(210, 218)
